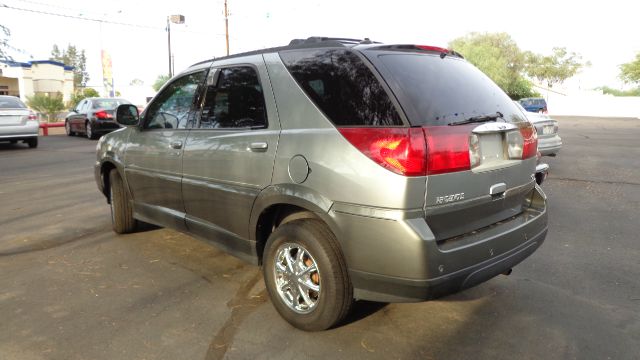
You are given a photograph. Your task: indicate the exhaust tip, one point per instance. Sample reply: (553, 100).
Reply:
(508, 272)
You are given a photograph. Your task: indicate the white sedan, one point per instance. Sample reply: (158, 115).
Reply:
(17, 122)
(549, 142)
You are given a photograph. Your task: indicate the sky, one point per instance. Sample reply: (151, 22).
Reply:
(606, 34)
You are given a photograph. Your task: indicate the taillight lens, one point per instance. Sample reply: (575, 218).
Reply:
(32, 116)
(401, 150)
(417, 151)
(523, 142)
(103, 115)
(448, 148)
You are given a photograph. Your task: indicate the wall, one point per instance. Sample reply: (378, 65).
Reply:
(593, 103)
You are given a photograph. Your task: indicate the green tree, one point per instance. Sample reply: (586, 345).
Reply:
(630, 72)
(160, 80)
(615, 92)
(499, 57)
(48, 105)
(72, 57)
(80, 95)
(555, 68)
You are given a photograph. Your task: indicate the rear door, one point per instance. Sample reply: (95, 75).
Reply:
(153, 160)
(229, 156)
(481, 150)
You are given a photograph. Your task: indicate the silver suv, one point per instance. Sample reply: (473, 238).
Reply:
(347, 169)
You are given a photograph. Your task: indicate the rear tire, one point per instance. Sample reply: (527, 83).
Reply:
(308, 299)
(121, 210)
(89, 131)
(33, 142)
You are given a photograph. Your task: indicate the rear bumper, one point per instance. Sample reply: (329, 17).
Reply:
(549, 145)
(17, 132)
(397, 259)
(104, 126)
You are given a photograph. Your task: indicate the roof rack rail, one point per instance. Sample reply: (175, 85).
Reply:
(319, 39)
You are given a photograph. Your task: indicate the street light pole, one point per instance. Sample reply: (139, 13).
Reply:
(169, 44)
(226, 25)
(176, 19)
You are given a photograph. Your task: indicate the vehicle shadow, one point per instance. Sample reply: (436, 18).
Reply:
(362, 309)
(9, 146)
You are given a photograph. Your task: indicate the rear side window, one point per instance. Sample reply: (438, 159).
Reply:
(439, 91)
(342, 87)
(234, 101)
(11, 103)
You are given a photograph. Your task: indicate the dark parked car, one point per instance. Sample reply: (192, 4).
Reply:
(536, 105)
(93, 117)
(348, 169)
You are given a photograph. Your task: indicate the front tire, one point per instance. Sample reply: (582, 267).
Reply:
(306, 275)
(67, 129)
(121, 211)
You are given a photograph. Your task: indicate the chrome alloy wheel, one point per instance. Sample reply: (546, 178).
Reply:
(297, 278)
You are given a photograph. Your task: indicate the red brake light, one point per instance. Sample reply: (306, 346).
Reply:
(32, 116)
(448, 148)
(530, 136)
(103, 115)
(432, 48)
(401, 150)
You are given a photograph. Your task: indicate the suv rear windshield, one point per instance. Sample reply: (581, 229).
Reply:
(342, 87)
(440, 91)
(11, 103)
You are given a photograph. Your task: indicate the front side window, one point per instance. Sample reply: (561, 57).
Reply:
(342, 87)
(234, 101)
(171, 108)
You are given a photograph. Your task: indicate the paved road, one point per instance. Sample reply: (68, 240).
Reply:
(72, 289)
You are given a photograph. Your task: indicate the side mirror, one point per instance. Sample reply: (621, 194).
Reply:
(127, 115)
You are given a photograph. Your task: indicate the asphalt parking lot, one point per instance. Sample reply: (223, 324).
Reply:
(70, 288)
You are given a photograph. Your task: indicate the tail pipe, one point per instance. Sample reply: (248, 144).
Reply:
(507, 272)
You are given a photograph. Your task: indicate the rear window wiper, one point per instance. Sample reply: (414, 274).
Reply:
(479, 119)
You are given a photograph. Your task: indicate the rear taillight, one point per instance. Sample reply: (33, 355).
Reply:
(401, 150)
(522, 143)
(103, 115)
(417, 151)
(32, 116)
(448, 148)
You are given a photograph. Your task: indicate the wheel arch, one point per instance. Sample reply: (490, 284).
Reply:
(277, 205)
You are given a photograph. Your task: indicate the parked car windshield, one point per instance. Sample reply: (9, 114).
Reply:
(441, 91)
(108, 104)
(9, 102)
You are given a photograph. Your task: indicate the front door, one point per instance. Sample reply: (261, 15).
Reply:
(153, 162)
(229, 156)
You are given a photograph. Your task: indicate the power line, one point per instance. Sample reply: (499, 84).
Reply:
(81, 17)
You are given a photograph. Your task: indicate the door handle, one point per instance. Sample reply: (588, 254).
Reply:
(258, 146)
(176, 145)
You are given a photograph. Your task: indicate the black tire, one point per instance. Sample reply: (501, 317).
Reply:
(335, 295)
(121, 211)
(33, 142)
(88, 130)
(67, 129)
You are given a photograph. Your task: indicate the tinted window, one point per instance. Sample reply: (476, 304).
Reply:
(171, 108)
(439, 91)
(108, 104)
(235, 101)
(11, 103)
(342, 86)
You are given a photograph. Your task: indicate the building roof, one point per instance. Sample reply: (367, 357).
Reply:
(32, 62)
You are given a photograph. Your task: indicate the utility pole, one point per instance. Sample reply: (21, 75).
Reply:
(226, 25)
(169, 45)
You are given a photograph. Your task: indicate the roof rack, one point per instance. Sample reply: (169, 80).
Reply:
(310, 42)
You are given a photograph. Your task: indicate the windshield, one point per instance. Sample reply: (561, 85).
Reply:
(108, 104)
(441, 91)
(8, 102)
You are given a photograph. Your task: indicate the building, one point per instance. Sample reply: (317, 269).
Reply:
(24, 79)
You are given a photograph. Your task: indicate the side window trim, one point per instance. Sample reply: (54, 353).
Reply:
(199, 94)
(213, 77)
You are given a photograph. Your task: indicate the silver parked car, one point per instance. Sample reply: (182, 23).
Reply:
(347, 169)
(17, 122)
(549, 140)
